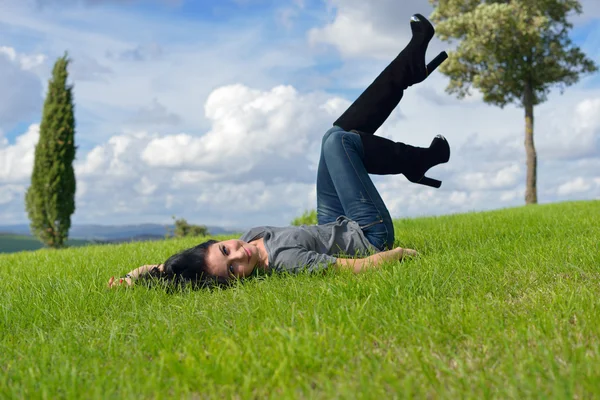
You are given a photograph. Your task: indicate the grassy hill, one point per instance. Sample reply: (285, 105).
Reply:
(10, 243)
(501, 304)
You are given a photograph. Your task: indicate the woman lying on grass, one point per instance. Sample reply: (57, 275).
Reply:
(352, 217)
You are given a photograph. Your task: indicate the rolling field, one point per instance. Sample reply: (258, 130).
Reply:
(502, 304)
(15, 243)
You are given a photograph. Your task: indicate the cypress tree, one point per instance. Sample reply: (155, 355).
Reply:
(50, 200)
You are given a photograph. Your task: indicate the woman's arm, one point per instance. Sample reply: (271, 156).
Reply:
(133, 275)
(357, 265)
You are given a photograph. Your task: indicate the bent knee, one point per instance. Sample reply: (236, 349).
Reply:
(329, 133)
(336, 141)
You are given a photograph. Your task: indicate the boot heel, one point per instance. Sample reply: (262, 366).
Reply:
(436, 62)
(430, 182)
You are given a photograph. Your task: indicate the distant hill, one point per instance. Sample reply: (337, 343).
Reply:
(10, 243)
(14, 238)
(114, 232)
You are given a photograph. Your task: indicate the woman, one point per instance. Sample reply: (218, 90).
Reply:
(352, 218)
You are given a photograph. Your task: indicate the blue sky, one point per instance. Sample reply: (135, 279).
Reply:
(213, 110)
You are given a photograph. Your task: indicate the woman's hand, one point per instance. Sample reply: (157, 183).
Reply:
(135, 274)
(397, 253)
(112, 282)
(375, 260)
(402, 252)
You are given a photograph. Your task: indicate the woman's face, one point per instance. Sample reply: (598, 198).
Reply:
(231, 258)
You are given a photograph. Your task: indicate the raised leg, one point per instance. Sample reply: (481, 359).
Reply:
(373, 107)
(329, 206)
(370, 110)
(342, 153)
(385, 157)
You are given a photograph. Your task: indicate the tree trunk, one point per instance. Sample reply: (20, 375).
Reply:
(531, 182)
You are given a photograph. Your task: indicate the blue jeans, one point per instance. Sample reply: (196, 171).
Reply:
(344, 187)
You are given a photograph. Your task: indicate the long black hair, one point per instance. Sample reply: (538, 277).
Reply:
(188, 267)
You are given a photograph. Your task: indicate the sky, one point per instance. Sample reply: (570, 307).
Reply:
(213, 110)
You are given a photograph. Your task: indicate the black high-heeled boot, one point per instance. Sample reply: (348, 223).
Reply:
(377, 102)
(386, 157)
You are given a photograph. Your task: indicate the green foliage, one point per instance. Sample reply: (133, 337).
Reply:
(500, 305)
(506, 46)
(50, 200)
(184, 229)
(309, 217)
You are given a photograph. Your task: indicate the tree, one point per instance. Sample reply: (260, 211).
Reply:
(184, 229)
(309, 217)
(513, 51)
(50, 200)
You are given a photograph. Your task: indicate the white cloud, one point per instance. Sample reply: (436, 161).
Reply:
(249, 127)
(254, 196)
(587, 115)
(169, 201)
(9, 53)
(16, 160)
(119, 157)
(510, 195)
(577, 185)
(9, 193)
(145, 186)
(377, 29)
(354, 39)
(27, 62)
(573, 132)
(503, 178)
(188, 177)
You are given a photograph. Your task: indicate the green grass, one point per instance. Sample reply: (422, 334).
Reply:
(14, 243)
(501, 304)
